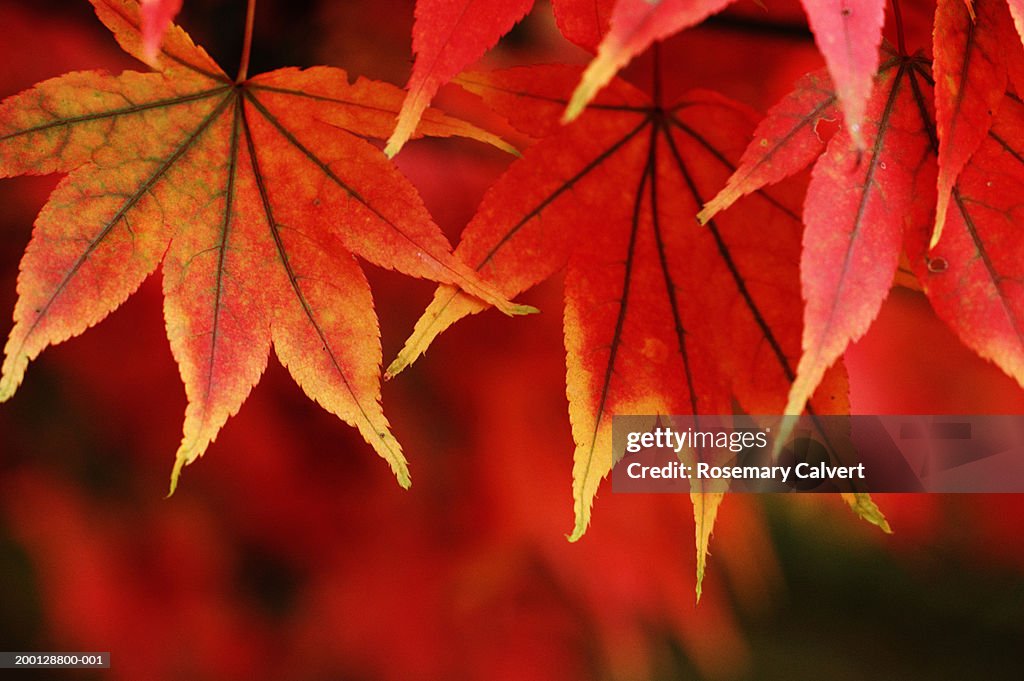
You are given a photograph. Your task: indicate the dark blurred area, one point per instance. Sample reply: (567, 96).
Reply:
(289, 553)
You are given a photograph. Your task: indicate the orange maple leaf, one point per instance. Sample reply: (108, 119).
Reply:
(662, 315)
(254, 193)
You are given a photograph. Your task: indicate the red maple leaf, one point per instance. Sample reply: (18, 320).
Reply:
(863, 206)
(662, 315)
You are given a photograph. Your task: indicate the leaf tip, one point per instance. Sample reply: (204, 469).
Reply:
(720, 202)
(150, 55)
(598, 73)
(705, 512)
(523, 310)
(514, 309)
(857, 136)
(581, 96)
(7, 389)
(876, 518)
(394, 145)
(582, 522)
(573, 110)
(401, 470)
(157, 17)
(391, 451)
(698, 587)
(190, 450)
(782, 433)
(864, 506)
(13, 373)
(179, 463)
(940, 222)
(396, 367)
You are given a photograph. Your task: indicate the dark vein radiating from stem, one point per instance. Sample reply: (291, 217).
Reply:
(922, 109)
(225, 235)
(674, 120)
(548, 200)
(564, 187)
(869, 182)
(113, 113)
(670, 287)
(620, 321)
(986, 260)
(293, 278)
(122, 212)
(325, 168)
(726, 255)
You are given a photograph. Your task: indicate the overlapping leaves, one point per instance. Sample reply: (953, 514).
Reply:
(847, 32)
(449, 35)
(662, 315)
(253, 194)
(948, 143)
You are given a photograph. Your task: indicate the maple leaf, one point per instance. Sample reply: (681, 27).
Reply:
(254, 193)
(449, 35)
(862, 207)
(858, 206)
(662, 315)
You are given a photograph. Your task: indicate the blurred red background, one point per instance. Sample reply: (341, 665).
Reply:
(289, 552)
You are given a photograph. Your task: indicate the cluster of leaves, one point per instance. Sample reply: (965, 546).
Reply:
(255, 192)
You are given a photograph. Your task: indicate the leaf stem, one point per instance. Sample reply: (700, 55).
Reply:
(657, 74)
(250, 17)
(898, 16)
